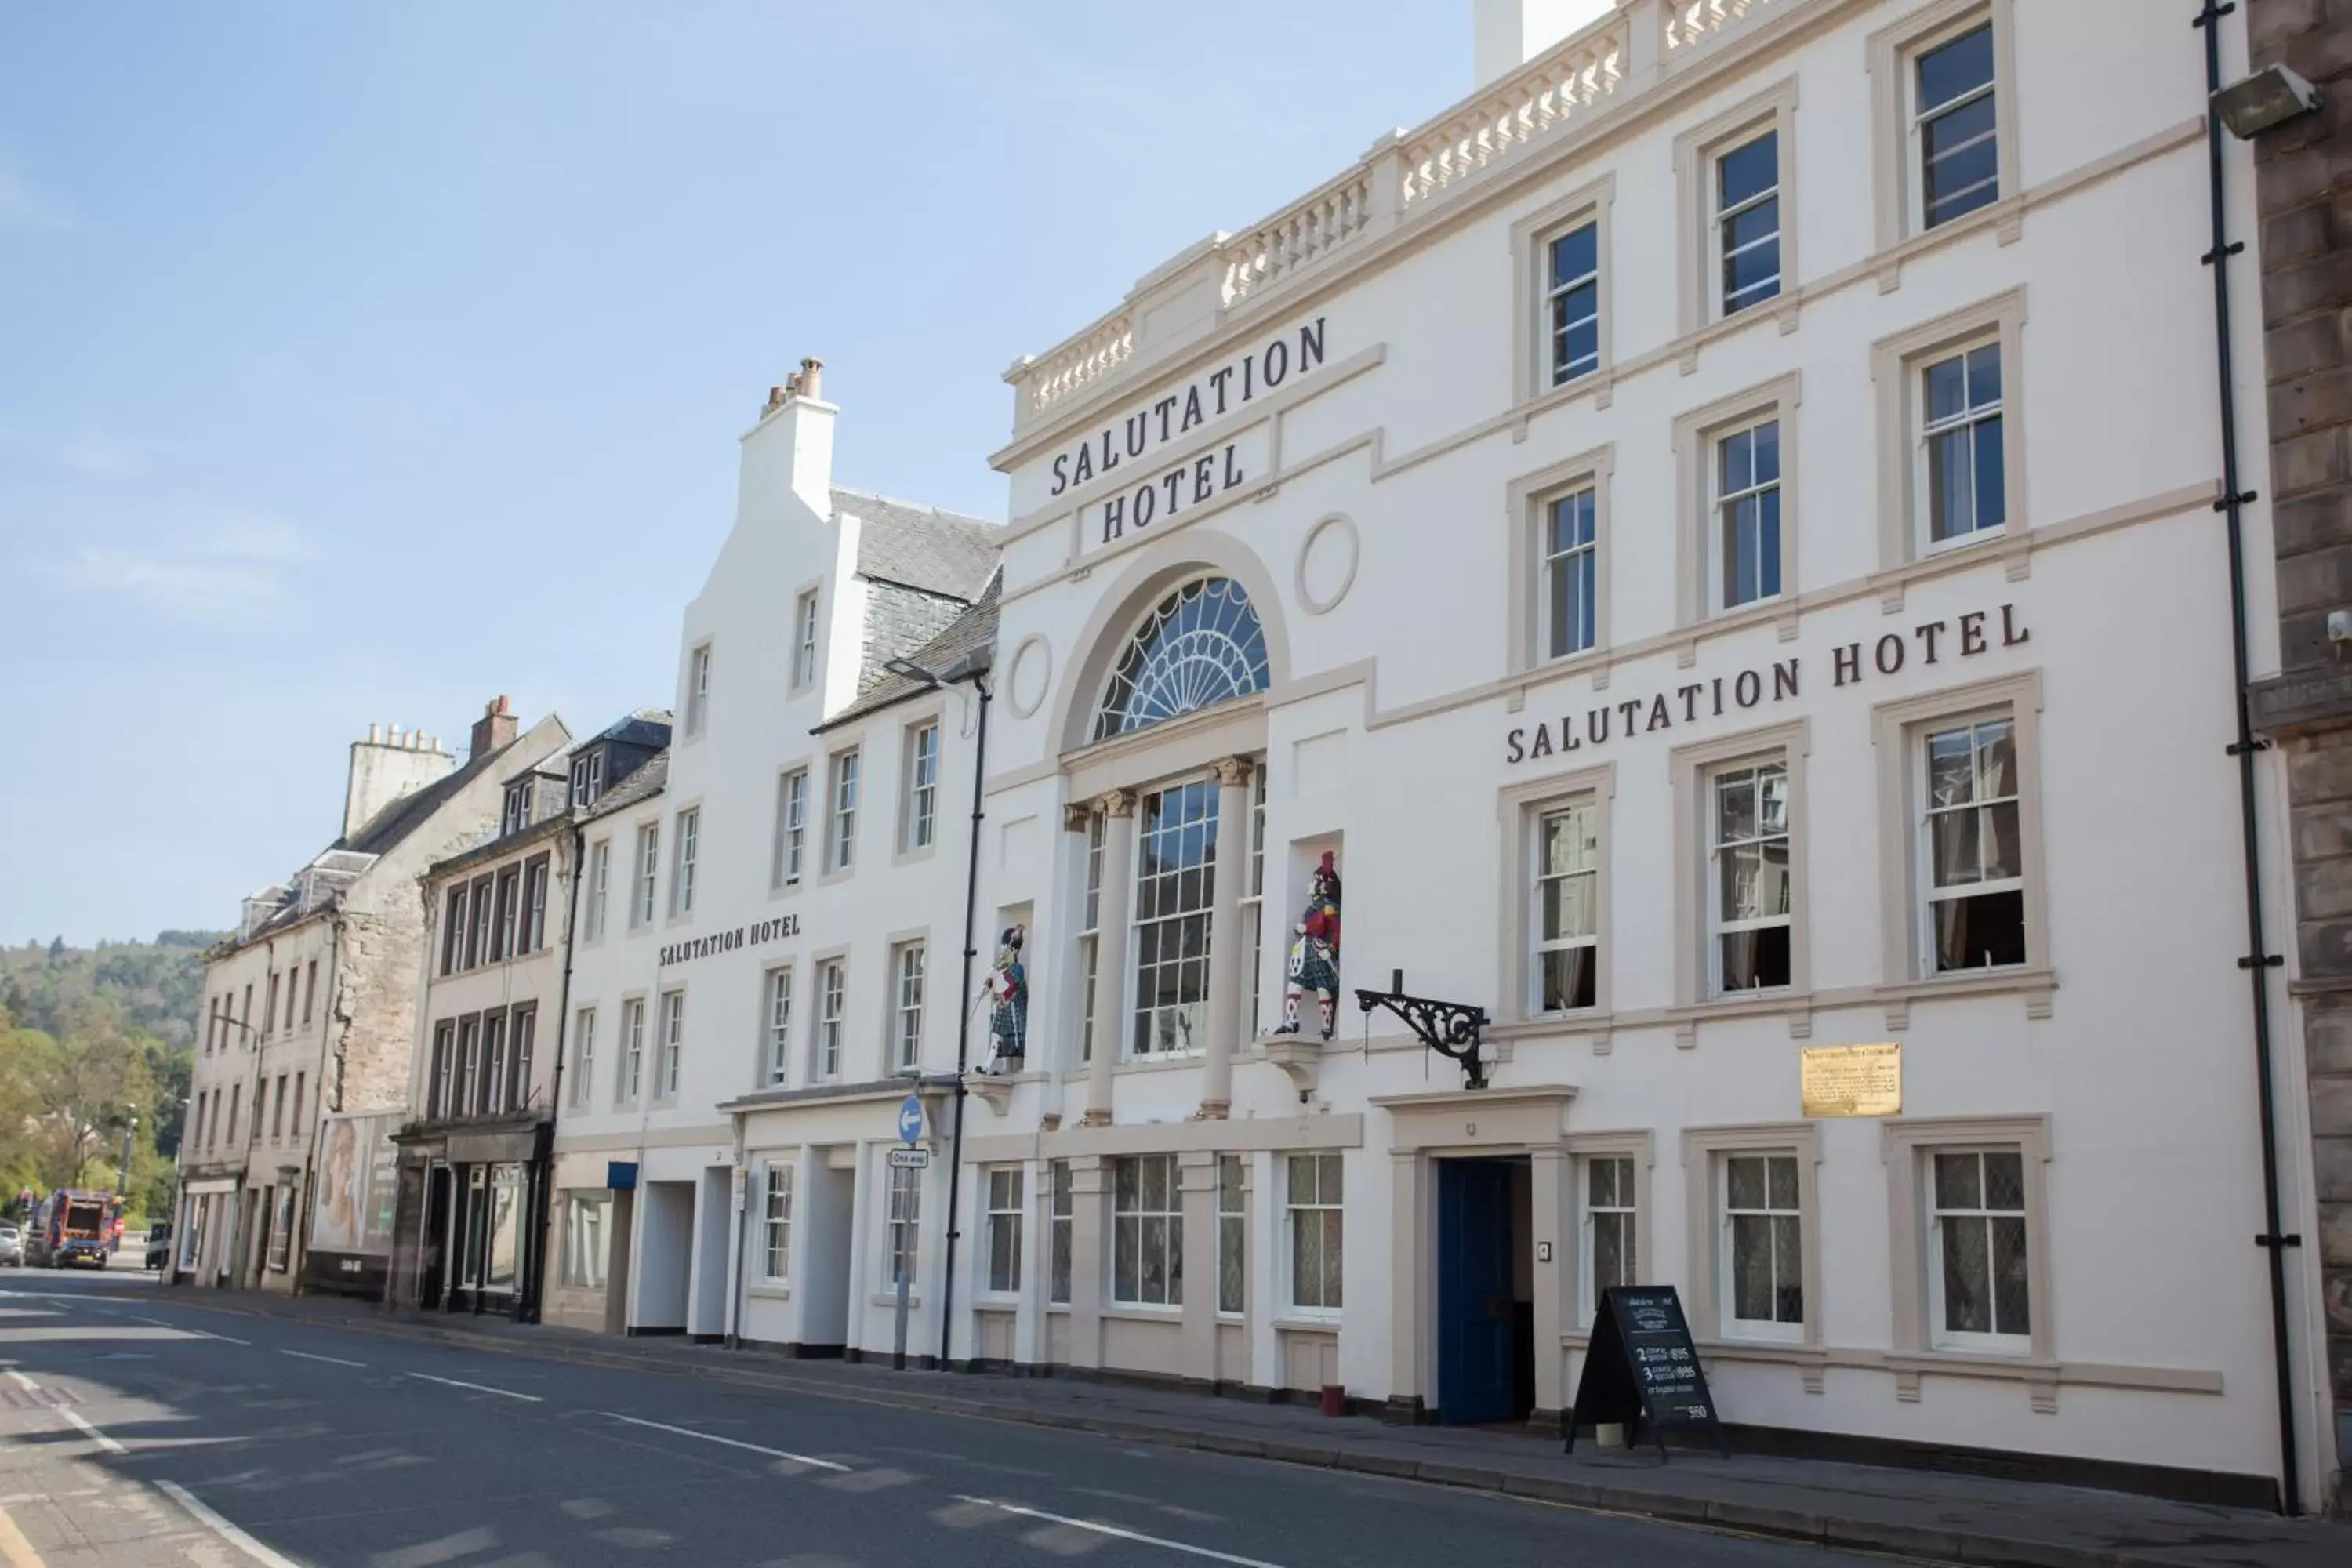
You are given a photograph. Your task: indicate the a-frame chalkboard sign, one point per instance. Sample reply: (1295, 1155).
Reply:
(1640, 1365)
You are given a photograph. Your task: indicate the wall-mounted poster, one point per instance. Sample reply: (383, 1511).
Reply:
(358, 1172)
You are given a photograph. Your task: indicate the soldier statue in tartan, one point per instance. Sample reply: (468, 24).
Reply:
(1007, 990)
(1315, 954)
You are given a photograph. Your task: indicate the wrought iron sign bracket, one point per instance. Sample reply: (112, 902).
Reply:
(1451, 1029)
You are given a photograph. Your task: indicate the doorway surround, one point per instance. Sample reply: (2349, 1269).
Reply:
(1424, 1128)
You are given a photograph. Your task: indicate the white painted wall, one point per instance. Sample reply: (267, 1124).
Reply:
(785, 537)
(1388, 723)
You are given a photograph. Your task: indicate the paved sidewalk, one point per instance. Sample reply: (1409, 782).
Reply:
(1946, 1517)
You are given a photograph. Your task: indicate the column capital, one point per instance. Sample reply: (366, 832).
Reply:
(1078, 816)
(1233, 772)
(1116, 803)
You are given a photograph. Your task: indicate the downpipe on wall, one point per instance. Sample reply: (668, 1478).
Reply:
(2259, 961)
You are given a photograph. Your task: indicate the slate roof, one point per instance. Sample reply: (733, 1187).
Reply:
(921, 547)
(645, 727)
(972, 630)
(646, 781)
(898, 622)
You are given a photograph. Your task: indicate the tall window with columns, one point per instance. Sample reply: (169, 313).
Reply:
(1174, 883)
(1168, 864)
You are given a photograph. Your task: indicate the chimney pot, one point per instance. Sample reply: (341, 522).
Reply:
(775, 400)
(811, 377)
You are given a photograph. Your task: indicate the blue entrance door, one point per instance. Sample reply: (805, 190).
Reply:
(1474, 1312)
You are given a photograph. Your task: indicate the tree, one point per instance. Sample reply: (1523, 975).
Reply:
(76, 1089)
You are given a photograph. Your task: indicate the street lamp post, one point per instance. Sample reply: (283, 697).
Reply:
(969, 668)
(123, 1173)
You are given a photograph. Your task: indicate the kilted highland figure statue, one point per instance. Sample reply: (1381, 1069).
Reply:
(1007, 991)
(1315, 954)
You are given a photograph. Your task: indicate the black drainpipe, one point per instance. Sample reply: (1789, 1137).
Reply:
(537, 1300)
(2260, 961)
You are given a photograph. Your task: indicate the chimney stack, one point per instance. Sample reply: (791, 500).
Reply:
(792, 442)
(391, 762)
(495, 728)
(1507, 34)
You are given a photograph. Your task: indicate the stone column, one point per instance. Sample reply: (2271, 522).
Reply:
(1078, 818)
(1227, 962)
(1029, 1332)
(1548, 1209)
(1406, 1267)
(1110, 949)
(1199, 1171)
(1262, 1233)
(1089, 1221)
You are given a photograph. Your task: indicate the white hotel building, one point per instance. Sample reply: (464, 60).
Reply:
(765, 957)
(1715, 534)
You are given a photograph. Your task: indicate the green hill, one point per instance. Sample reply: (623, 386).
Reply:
(159, 984)
(87, 1034)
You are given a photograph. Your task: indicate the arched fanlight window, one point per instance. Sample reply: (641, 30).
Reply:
(1198, 646)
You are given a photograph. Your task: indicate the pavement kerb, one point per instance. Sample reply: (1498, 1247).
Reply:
(1720, 1514)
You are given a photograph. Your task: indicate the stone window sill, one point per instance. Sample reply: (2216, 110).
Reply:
(1796, 1006)
(768, 1292)
(1162, 1061)
(2034, 984)
(1782, 610)
(1143, 1312)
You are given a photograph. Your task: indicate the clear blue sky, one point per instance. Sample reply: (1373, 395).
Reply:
(361, 362)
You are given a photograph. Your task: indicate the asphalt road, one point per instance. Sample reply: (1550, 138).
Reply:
(137, 1430)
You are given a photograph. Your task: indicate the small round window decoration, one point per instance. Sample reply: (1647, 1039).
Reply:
(1032, 675)
(1327, 563)
(1198, 646)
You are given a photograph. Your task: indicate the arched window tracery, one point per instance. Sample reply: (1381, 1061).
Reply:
(1201, 646)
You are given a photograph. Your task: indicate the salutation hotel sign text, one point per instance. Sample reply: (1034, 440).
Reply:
(1961, 636)
(1130, 443)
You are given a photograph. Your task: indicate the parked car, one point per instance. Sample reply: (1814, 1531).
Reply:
(12, 1245)
(159, 1246)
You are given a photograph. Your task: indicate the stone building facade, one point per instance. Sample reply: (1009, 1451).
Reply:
(311, 1005)
(2303, 182)
(481, 1092)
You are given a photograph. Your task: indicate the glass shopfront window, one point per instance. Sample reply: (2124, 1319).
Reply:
(505, 1228)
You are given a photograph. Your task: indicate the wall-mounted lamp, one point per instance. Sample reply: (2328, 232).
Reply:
(2264, 101)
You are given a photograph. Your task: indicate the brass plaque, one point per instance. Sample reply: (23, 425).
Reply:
(1852, 1081)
